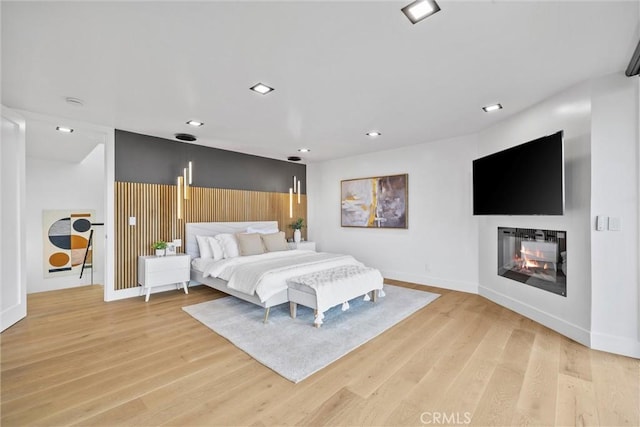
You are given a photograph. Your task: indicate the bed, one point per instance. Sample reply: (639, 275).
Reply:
(245, 271)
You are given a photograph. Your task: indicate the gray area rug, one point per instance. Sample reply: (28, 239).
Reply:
(293, 347)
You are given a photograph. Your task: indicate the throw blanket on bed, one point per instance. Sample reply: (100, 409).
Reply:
(267, 277)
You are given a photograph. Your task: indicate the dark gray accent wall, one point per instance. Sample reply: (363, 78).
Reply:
(153, 160)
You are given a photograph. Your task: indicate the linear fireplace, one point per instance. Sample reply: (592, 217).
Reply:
(535, 257)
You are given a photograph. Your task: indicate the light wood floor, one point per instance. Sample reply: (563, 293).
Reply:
(78, 360)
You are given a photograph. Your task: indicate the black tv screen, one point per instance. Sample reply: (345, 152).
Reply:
(527, 179)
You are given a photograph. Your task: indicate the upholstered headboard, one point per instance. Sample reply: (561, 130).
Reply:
(194, 229)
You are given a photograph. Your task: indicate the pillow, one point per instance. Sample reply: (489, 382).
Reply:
(262, 230)
(216, 249)
(275, 242)
(249, 244)
(203, 247)
(229, 245)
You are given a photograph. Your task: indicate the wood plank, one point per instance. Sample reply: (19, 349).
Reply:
(616, 381)
(537, 401)
(576, 402)
(498, 403)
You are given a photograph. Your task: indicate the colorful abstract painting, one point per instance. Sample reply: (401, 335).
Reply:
(66, 234)
(380, 202)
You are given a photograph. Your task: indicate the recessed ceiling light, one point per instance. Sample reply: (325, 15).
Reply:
(373, 133)
(64, 129)
(261, 88)
(420, 9)
(185, 137)
(195, 123)
(490, 108)
(304, 150)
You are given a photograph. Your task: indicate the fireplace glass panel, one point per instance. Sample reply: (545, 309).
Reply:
(534, 257)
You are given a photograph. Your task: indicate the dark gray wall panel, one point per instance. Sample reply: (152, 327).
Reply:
(148, 159)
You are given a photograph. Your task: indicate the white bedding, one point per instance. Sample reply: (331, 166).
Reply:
(265, 275)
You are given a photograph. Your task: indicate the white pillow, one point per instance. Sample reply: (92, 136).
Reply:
(229, 244)
(216, 249)
(204, 247)
(262, 230)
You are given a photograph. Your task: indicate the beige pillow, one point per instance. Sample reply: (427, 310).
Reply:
(275, 242)
(249, 244)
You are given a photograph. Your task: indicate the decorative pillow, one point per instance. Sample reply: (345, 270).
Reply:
(250, 244)
(216, 249)
(229, 244)
(275, 242)
(203, 247)
(262, 230)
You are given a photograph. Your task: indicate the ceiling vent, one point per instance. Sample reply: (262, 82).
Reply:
(185, 137)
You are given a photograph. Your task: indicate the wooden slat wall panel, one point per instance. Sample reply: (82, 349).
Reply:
(155, 209)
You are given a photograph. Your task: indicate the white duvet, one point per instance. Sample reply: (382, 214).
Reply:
(265, 275)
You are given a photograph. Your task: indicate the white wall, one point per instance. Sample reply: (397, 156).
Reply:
(53, 184)
(614, 193)
(13, 255)
(440, 246)
(570, 315)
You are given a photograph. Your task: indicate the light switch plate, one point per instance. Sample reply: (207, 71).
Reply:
(177, 243)
(132, 220)
(614, 223)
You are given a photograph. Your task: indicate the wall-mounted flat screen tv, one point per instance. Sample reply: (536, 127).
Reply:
(527, 179)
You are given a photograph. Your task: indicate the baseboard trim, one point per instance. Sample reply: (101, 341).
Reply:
(454, 285)
(559, 325)
(615, 344)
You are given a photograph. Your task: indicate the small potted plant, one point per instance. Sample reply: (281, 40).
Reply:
(160, 246)
(297, 225)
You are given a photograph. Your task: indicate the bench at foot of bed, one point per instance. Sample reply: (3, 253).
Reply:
(324, 289)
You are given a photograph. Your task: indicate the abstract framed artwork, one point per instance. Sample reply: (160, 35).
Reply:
(378, 202)
(65, 237)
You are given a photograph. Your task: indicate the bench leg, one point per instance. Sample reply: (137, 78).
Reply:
(375, 295)
(293, 309)
(317, 322)
(266, 314)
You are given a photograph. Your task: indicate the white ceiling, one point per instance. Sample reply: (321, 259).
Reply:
(44, 142)
(339, 69)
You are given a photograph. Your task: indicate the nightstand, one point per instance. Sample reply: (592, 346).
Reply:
(164, 270)
(310, 246)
